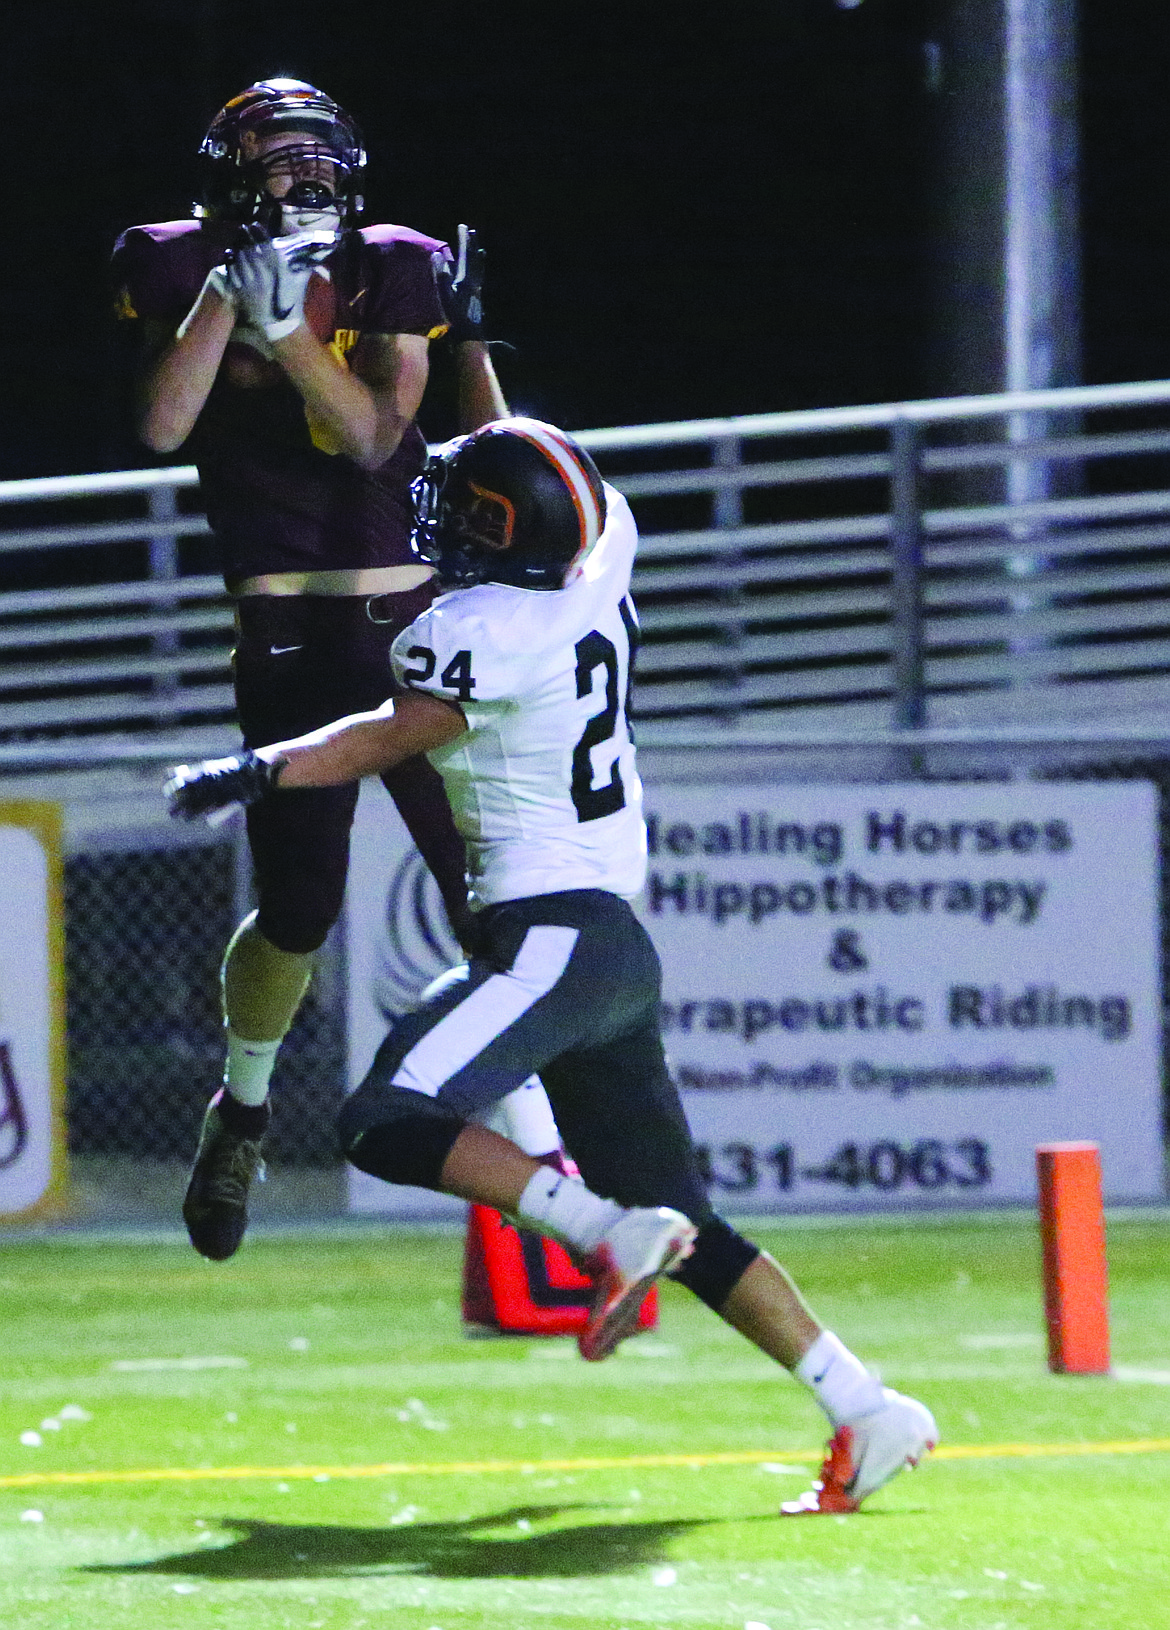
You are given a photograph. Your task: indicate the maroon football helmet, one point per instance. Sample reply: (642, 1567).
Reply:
(327, 164)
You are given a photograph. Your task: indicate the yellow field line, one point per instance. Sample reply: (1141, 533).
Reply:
(470, 1468)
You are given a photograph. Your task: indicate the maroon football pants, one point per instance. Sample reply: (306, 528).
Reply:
(301, 662)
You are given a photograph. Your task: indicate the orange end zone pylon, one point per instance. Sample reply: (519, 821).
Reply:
(521, 1284)
(1076, 1280)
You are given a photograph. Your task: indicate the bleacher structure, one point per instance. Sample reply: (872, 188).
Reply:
(970, 586)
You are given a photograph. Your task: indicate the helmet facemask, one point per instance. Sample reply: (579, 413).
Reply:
(313, 200)
(442, 534)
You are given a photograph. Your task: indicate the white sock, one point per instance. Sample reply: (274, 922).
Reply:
(565, 1209)
(249, 1068)
(838, 1380)
(525, 1117)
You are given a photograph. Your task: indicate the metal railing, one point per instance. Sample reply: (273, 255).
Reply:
(852, 569)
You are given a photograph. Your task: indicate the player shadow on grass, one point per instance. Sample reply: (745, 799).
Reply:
(486, 1547)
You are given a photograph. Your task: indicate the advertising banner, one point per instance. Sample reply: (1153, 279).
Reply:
(32, 1144)
(881, 996)
(874, 996)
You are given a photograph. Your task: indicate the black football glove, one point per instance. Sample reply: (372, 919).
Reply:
(198, 789)
(461, 289)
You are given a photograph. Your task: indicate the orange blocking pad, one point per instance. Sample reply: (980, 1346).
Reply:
(1076, 1279)
(522, 1284)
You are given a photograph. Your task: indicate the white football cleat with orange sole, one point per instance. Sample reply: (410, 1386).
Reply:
(865, 1453)
(644, 1243)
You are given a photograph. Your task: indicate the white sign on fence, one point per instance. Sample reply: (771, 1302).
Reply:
(874, 996)
(31, 1040)
(888, 995)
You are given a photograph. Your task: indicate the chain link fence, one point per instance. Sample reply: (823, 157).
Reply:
(145, 930)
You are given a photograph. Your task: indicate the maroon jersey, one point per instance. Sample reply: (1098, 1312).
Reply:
(278, 495)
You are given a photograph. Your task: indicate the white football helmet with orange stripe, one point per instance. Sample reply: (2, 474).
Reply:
(516, 502)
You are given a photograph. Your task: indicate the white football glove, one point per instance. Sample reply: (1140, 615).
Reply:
(268, 279)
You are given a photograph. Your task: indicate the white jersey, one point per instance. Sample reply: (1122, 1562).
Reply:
(543, 787)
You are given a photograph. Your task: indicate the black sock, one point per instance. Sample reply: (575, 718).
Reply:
(245, 1120)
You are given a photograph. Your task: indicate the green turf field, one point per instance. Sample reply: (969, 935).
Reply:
(322, 1447)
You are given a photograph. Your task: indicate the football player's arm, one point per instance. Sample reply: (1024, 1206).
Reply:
(460, 289)
(363, 744)
(367, 743)
(180, 370)
(481, 398)
(369, 406)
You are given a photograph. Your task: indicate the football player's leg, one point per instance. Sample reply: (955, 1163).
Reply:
(300, 851)
(415, 1118)
(289, 678)
(649, 1171)
(548, 972)
(620, 1114)
(300, 848)
(482, 1032)
(300, 662)
(875, 1430)
(524, 1116)
(620, 1110)
(300, 855)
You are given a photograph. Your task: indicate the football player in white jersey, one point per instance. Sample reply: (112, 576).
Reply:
(518, 681)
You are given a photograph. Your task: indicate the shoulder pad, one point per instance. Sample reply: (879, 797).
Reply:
(386, 237)
(161, 231)
(160, 268)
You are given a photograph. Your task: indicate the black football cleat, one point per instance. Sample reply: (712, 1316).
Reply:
(216, 1205)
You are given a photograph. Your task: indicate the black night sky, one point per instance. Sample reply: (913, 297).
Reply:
(687, 210)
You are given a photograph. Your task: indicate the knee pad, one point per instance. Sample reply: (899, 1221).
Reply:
(719, 1260)
(294, 932)
(298, 917)
(397, 1135)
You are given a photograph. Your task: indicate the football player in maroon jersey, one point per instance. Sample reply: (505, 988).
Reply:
(289, 345)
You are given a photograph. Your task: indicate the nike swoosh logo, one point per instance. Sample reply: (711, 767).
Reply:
(279, 650)
(280, 315)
